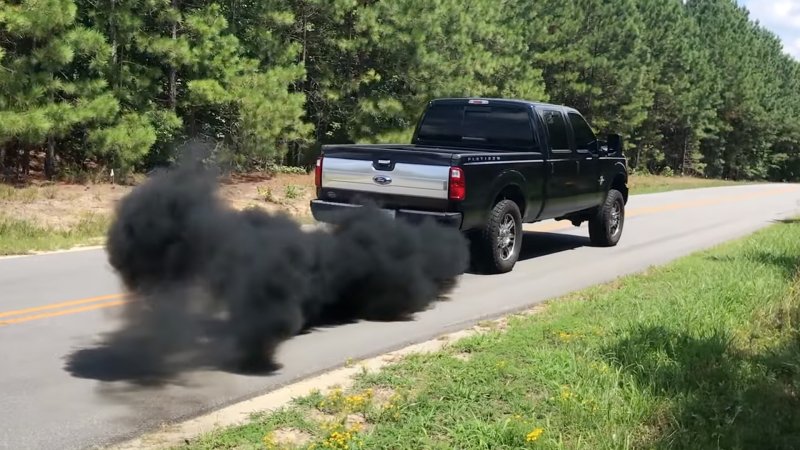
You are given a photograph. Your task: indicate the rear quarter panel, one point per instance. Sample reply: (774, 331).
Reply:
(488, 174)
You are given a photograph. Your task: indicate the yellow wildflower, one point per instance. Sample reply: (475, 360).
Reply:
(340, 437)
(269, 441)
(355, 401)
(566, 394)
(534, 435)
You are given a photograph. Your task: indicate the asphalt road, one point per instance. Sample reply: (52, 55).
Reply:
(52, 305)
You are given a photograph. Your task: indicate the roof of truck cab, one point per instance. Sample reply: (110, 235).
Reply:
(507, 100)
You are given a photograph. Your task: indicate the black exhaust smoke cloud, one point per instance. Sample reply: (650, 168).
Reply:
(216, 286)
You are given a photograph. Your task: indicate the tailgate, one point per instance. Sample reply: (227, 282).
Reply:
(387, 171)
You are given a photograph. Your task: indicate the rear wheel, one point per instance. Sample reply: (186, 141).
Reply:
(605, 226)
(496, 248)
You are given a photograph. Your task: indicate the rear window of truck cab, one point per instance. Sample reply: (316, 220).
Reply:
(485, 126)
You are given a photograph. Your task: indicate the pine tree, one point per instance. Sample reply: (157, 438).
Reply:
(594, 59)
(414, 50)
(49, 82)
(744, 133)
(278, 36)
(146, 124)
(182, 71)
(682, 88)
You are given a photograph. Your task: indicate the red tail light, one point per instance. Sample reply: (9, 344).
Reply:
(458, 184)
(318, 173)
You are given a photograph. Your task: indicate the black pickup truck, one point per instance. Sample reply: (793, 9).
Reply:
(485, 166)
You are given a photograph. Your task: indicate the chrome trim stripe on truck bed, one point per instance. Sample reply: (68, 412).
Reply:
(483, 163)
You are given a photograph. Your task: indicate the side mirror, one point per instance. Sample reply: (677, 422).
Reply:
(614, 144)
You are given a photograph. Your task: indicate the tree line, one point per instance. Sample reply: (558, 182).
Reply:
(695, 86)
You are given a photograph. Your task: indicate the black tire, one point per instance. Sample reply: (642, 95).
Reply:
(606, 224)
(489, 254)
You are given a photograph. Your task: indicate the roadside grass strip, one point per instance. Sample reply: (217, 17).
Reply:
(23, 236)
(652, 184)
(702, 353)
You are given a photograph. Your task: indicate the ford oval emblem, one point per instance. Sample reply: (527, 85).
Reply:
(382, 180)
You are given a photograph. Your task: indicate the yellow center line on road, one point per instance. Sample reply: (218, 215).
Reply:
(62, 312)
(113, 300)
(84, 301)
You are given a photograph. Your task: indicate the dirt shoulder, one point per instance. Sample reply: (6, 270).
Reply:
(62, 206)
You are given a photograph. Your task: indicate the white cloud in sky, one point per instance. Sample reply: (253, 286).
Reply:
(782, 17)
(793, 47)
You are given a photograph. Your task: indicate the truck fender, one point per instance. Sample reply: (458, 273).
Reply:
(513, 183)
(618, 179)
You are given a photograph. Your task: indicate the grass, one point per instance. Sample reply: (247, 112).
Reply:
(21, 236)
(651, 184)
(30, 194)
(702, 353)
(22, 195)
(293, 192)
(266, 194)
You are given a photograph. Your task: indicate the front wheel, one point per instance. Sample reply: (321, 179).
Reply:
(497, 247)
(605, 226)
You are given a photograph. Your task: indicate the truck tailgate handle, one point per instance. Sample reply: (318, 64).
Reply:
(383, 164)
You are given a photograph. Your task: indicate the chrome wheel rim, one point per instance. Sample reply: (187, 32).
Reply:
(507, 237)
(616, 219)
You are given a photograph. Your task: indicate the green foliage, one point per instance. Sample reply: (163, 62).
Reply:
(291, 170)
(50, 81)
(126, 142)
(293, 192)
(270, 116)
(694, 86)
(414, 50)
(266, 194)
